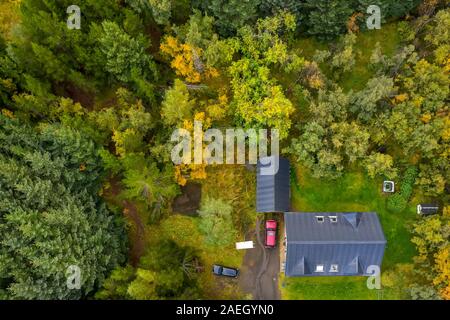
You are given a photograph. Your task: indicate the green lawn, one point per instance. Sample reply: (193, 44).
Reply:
(352, 192)
(389, 40)
(326, 288)
(388, 37)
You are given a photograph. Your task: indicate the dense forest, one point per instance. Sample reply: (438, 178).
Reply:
(86, 117)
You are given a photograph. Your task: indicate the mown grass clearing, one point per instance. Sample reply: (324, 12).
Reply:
(389, 40)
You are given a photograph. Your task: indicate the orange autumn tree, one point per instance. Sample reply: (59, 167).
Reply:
(352, 23)
(187, 60)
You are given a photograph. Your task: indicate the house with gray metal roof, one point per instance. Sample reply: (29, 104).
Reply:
(332, 243)
(272, 184)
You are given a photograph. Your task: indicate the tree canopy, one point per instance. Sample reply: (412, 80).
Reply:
(51, 217)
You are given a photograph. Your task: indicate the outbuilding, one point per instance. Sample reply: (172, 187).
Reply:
(427, 209)
(273, 190)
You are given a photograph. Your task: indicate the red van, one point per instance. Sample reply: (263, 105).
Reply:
(271, 234)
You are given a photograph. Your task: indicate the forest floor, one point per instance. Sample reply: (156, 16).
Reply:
(136, 227)
(138, 236)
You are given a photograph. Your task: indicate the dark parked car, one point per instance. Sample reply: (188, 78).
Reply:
(225, 271)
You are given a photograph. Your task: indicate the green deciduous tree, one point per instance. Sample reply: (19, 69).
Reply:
(116, 285)
(216, 222)
(166, 271)
(432, 176)
(380, 164)
(127, 123)
(258, 100)
(330, 141)
(367, 102)
(351, 139)
(177, 104)
(331, 106)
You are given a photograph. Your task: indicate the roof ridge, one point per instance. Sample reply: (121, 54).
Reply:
(336, 242)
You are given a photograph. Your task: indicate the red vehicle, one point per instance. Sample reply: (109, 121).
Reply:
(271, 234)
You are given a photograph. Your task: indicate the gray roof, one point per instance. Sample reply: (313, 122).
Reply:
(273, 191)
(353, 243)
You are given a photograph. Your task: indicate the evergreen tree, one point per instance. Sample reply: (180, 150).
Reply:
(50, 216)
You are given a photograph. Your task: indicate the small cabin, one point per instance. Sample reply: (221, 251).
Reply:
(427, 209)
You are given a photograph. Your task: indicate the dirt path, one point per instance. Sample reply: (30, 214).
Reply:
(259, 272)
(136, 235)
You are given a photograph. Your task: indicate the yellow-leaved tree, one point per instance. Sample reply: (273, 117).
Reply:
(186, 59)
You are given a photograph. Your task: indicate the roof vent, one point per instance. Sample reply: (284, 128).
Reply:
(353, 218)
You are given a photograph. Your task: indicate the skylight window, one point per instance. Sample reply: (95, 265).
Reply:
(319, 268)
(320, 219)
(333, 219)
(334, 268)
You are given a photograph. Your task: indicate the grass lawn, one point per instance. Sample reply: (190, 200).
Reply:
(352, 192)
(389, 40)
(326, 288)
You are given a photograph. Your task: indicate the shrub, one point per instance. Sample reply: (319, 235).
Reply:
(396, 203)
(216, 222)
(409, 178)
(399, 201)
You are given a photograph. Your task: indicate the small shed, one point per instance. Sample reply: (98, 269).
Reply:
(427, 208)
(272, 184)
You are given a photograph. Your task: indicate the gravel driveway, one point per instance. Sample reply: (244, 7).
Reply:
(259, 271)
